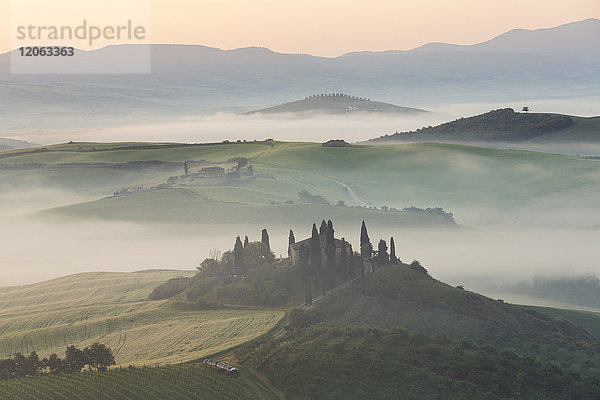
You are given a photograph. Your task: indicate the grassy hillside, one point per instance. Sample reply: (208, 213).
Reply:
(358, 363)
(462, 179)
(336, 104)
(401, 334)
(112, 308)
(185, 381)
(397, 296)
(506, 126)
(584, 130)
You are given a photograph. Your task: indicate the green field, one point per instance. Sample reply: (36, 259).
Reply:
(584, 130)
(184, 381)
(478, 185)
(112, 308)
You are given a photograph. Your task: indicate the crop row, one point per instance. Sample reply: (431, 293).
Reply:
(183, 381)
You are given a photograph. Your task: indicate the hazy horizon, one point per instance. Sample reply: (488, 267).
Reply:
(333, 28)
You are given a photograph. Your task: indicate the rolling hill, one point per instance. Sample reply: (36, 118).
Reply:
(336, 103)
(113, 308)
(401, 334)
(506, 126)
(397, 333)
(458, 178)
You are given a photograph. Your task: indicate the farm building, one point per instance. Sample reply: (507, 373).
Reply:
(295, 249)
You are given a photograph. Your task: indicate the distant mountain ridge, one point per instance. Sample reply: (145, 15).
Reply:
(190, 80)
(336, 103)
(12, 144)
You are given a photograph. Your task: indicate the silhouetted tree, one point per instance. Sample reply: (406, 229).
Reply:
(526, 109)
(344, 264)
(246, 241)
(265, 239)
(238, 257)
(291, 241)
(315, 255)
(329, 275)
(323, 229)
(75, 359)
(54, 363)
(365, 247)
(382, 255)
(305, 268)
(393, 258)
(99, 356)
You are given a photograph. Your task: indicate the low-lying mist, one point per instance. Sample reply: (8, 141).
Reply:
(163, 127)
(35, 249)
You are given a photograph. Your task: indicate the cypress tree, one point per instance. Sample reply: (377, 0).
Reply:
(330, 230)
(291, 241)
(344, 265)
(365, 247)
(329, 275)
(315, 254)
(323, 229)
(382, 255)
(185, 168)
(265, 239)
(303, 257)
(238, 257)
(393, 258)
(246, 241)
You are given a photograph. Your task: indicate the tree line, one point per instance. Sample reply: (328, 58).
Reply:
(96, 356)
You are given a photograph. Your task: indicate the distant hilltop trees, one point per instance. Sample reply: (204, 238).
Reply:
(336, 96)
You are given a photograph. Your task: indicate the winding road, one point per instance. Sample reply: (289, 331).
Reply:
(352, 193)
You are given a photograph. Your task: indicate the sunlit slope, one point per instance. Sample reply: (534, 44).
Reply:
(185, 381)
(111, 308)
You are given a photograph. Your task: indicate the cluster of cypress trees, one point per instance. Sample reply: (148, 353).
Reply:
(239, 268)
(323, 271)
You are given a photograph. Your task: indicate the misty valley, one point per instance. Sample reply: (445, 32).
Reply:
(250, 224)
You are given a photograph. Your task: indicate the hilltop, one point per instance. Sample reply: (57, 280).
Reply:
(505, 126)
(336, 103)
(401, 334)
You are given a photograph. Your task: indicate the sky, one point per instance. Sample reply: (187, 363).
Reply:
(318, 27)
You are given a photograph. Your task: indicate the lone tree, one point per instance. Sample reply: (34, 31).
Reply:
(265, 239)
(291, 241)
(393, 258)
(186, 170)
(365, 247)
(238, 257)
(382, 255)
(525, 109)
